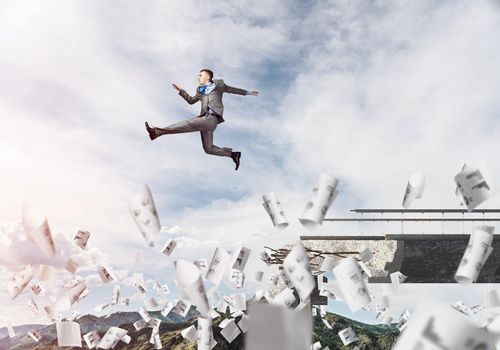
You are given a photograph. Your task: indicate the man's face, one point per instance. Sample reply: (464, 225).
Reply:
(203, 78)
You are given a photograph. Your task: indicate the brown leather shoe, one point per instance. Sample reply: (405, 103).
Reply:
(151, 131)
(235, 156)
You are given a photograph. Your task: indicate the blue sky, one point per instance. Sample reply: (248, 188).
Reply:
(369, 91)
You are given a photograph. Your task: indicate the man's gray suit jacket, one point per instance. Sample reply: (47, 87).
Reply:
(213, 99)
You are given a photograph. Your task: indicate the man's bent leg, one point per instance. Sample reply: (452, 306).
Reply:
(207, 139)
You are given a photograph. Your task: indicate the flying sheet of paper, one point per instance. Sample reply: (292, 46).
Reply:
(190, 285)
(396, 279)
(243, 324)
(327, 264)
(111, 338)
(143, 211)
(321, 199)
(11, 331)
(276, 327)
(139, 324)
(70, 296)
(275, 211)
(167, 308)
(474, 185)
(258, 275)
(36, 289)
(169, 247)
(151, 304)
(33, 306)
(326, 323)
(205, 333)
(92, 339)
(492, 299)
(414, 189)
(18, 281)
(351, 282)
(35, 335)
(116, 295)
(236, 279)
(230, 330)
(81, 238)
(155, 340)
(437, 326)
(283, 298)
(68, 334)
(190, 334)
(237, 302)
(218, 266)
(144, 314)
(181, 308)
(160, 289)
(124, 301)
(106, 274)
(347, 336)
(37, 228)
(71, 265)
(201, 264)
(239, 258)
(476, 254)
(296, 267)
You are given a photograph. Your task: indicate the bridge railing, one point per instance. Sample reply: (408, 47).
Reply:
(420, 215)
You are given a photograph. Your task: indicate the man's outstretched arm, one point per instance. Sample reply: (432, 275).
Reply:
(238, 91)
(189, 99)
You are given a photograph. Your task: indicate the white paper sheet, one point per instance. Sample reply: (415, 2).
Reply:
(239, 258)
(190, 284)
(347, 336)
(111, 338)
(190, 334)
(205, 333)
(37, 229)
(143, 211)
(275, 211)
(276, 327)
(414, 189)
(169, 247)
(18, 281)
(71, 265)
(436, 326)
(218, 266)
(68, 334)
(296, 266)
(322, 197)
(476, 254)
(351, 282)
(106, 274)
(474, 185)
(81, 238)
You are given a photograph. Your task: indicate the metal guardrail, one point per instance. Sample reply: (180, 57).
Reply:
(404, 219)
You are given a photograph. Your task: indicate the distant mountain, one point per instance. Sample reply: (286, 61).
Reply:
(371, 337)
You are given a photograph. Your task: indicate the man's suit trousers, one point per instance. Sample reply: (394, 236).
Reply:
(206, 126)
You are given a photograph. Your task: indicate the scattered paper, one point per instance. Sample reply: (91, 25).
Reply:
(414, 189)
(68, 334)
(351, 282)
(476, 254)
(143, 211)
(474, 185)
(18, 281)
(322, 197)
(274, 210)
(296, 267)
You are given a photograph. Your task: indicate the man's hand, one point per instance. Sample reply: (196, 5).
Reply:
(254, 93)
(176, 87)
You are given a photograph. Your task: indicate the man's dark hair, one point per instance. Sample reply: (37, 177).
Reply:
(209, 72)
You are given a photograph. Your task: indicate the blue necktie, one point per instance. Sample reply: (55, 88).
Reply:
(202, 89)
